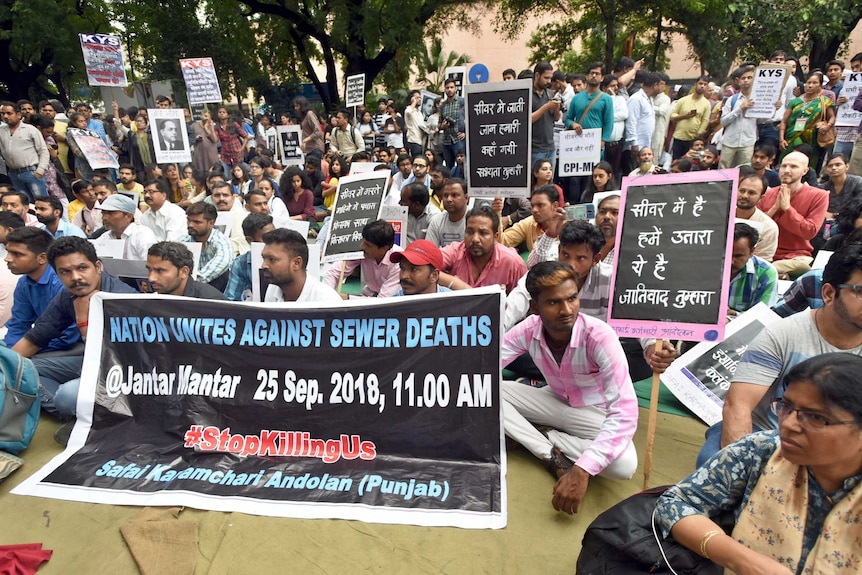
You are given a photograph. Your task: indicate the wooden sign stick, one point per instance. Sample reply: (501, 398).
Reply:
(653, 413)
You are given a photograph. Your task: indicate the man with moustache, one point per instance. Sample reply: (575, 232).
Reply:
(76, 264)
(479, 260)
(166, 219)
(419, 268)
(225, 201)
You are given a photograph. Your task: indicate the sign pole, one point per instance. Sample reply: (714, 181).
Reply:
(653, 413)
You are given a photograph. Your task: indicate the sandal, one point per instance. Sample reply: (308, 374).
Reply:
(558, 464)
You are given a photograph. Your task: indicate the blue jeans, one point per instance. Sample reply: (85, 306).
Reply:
(845, 148)
(60, 378)
(450, 151)
(28, 183)
(550, 155)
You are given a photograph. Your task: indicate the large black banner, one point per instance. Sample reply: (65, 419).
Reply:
(386, 412)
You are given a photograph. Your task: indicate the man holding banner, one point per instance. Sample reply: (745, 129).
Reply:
(285, 258)
(588, 411)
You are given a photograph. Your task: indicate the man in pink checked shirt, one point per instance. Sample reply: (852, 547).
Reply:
(582, 423)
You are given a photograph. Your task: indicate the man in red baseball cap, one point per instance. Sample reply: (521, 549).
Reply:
(420, 265)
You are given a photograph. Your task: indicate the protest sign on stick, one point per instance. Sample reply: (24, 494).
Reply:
(170, 136)
(290, 149)
(355, 91)
(498, 138)
(673, 249)
(103, 59)
(201, 80)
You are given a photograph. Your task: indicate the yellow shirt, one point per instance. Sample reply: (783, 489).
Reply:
(74, 207)
(688, 129)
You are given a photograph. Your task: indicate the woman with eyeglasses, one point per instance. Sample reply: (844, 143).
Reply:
(795, 493)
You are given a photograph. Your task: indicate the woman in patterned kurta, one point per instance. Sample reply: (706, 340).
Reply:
(795, 493)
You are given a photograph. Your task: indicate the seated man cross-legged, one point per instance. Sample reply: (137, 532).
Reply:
(589, 401)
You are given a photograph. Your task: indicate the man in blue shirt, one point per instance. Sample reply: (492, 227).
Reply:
(76, 264)
(49, 212)
(26, 255)
(239, 283)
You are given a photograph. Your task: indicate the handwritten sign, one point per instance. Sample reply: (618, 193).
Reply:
(674, 242)
(94, 149)
(289, 139)
(768, 88)
(579, 154)
(170, 137)
(498, 138)
(103, 58)
(355, 91)
(201, 81)
(847, 116)
(357, 202)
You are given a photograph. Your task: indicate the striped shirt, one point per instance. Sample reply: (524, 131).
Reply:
(594, 372)
(758, 282)
(216, 255)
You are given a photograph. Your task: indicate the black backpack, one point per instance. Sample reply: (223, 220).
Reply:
(621, 541)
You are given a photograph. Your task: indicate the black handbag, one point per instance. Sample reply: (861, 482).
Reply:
(625, 540)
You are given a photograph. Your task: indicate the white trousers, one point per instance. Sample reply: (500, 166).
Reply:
(574, 427)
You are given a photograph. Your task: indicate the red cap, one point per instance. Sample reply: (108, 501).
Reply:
(420, 253)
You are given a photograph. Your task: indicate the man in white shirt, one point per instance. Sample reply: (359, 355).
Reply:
(285, 257)
(416, 128)
(224, 201)
(165, 219)
(118, 217)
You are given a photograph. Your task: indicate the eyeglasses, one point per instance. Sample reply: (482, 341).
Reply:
(857, 289)
(807, 419)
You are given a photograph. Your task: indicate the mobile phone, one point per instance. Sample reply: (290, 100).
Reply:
(580, 212)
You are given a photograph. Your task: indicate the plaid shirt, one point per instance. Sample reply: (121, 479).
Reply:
(453, 110)
(232, 143)
(592, 372)
(802, 294)
(758, 282)
(240, 277)
(216, 255)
